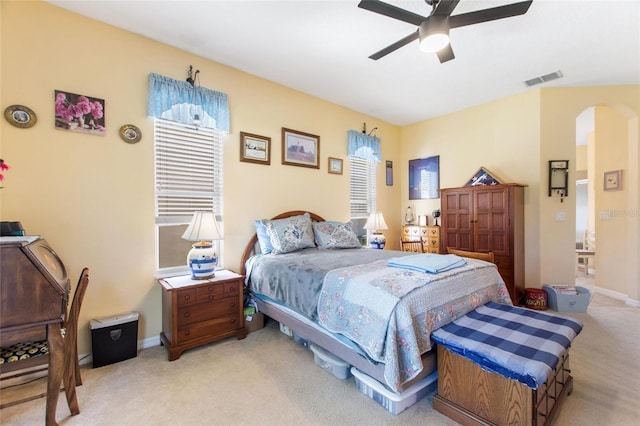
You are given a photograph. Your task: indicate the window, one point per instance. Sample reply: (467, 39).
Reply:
(362, 182)
(188, 177)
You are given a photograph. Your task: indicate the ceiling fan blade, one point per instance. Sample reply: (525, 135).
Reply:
(445, 54)
(490, 14)
(395, 46)
(391, 11)
(445, 7)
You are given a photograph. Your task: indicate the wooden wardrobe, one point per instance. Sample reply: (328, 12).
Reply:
(488, 219)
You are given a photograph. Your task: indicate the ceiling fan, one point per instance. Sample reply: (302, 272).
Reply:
(433, 31)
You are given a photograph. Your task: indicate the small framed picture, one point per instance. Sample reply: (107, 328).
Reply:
(613, 180)
(255, 148)
(130, 133)
(335, 166)
(300, 149)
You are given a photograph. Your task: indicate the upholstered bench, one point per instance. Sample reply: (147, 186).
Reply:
(504, 365)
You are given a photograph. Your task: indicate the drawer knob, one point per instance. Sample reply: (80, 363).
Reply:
(187, 332)
(233, 321)
(211, 297)
(187, 297)
(187, 314)
(209, 289)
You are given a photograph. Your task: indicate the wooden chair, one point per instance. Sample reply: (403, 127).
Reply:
(71, 376)
(472, 254)
(587, 253)
(414, 246)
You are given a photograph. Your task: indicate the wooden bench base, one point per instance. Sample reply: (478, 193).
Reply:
(472, 396)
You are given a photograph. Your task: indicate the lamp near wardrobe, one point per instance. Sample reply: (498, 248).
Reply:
(376, 223)
(203, 257)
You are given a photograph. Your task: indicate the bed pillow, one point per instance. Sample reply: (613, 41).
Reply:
(335, 235)
(263, 237)
(290, 234)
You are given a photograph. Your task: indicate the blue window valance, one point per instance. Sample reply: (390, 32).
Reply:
(180, 101)
(364, 146)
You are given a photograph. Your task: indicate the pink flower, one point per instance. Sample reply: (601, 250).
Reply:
(3, 167)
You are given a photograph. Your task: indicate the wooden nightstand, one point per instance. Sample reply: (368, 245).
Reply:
(196, 312)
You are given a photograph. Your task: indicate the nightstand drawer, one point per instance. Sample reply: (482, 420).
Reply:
(207, 328)
(187, 297)
(206, 311)
(210, 293)
(232, 289)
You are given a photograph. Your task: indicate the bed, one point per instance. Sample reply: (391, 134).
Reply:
(331, 294)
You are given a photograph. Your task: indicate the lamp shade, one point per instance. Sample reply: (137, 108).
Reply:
(203, 227)
(434, 33)
(376, 222)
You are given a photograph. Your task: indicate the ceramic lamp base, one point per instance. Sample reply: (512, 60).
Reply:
(377, 241)
(202, 260)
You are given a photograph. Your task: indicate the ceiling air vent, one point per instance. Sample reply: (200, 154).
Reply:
(544, 78)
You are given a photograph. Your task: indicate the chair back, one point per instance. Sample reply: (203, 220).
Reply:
(486, 256)
(414, 246)
(71, 325)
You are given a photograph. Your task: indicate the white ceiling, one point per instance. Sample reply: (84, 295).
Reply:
(322, 48)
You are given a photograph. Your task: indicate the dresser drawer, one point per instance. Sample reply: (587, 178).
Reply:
(232, 289)
(187, 297)
(208, 328)
(206, 311)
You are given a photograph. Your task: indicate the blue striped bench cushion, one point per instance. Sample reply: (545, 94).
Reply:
(517, 343)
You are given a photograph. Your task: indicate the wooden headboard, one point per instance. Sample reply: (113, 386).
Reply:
(251, 247)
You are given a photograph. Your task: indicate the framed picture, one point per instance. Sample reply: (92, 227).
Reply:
(613, 180)
(424, 178)
(300, 149)
(482, 177)
(79, 113)
(20, 116)
(335, 166)
(389, 173)
(255, 148)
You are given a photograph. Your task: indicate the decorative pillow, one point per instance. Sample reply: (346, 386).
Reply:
(263, 237)
(290, 234)
(335, 235)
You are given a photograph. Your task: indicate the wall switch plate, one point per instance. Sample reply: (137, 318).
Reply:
(561, 216)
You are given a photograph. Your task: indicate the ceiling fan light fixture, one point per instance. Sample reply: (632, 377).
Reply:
(434, 33)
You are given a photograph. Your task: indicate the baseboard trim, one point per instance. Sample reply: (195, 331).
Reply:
(618, 296)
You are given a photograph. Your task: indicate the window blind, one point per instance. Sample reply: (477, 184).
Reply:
(362, 187)
(188, 171)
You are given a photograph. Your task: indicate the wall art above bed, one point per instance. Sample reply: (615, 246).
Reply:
(255, 148)
(300, 149)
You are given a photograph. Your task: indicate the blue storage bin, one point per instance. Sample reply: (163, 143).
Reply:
(567, 302)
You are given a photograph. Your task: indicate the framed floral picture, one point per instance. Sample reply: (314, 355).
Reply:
(613, 180)
(300, 149)
(79, 113)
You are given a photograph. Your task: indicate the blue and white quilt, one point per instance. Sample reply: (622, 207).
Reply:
(517, 343)
(390, 312)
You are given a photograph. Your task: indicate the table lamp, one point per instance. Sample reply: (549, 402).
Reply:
(202, 258)
(376, 223)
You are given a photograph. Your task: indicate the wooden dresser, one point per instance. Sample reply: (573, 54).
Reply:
(430, 236)
(196, 312)
(488, 219)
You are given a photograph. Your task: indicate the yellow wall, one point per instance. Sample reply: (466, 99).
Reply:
(92, 197)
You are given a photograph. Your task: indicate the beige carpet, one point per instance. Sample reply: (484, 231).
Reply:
(267, 379)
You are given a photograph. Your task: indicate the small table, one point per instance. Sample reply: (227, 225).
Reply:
(197, 312)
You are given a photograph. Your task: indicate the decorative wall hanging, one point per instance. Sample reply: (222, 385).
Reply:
(255, 148)
(335, 166)
(20, 116)
(300, 149)
(424, 178)
(79, 113)
(613, 180)
(389, 170)
(482, 177)
(130, 133)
